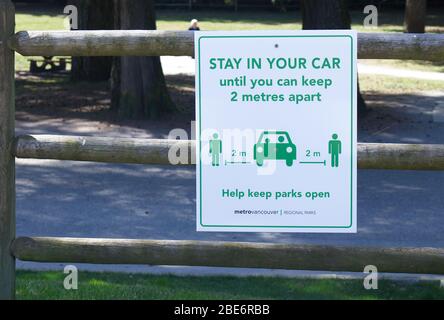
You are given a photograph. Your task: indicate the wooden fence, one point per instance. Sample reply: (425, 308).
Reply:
(193, 253)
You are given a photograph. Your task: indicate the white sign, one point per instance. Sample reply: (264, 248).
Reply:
(276, 131)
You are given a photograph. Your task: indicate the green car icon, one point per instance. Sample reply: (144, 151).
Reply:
(275, 145)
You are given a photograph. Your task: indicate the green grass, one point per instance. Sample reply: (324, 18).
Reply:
(29, 18)
(394, 85)
(389, 21)
(49, 285)
(419, 65)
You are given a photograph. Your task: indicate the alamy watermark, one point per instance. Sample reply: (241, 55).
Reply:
(371, 20)
(235, 140)
(71, 21)
(371, 280)
(71, 281)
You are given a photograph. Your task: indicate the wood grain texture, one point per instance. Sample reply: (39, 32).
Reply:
(181, 43)
(401, 156)
(7, 164)
(229, 254)
(112, 150)
(150, 151)
(403, 46)
(104, 43)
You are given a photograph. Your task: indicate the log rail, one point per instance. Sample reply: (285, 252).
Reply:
(181, 43)
(152, 151)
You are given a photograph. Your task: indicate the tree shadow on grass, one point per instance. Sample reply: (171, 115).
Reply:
(402, 118)
(51, 102)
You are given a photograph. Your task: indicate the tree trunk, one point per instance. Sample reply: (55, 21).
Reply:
(139, 88)
(93, 15)
(325, 14)
(415, 16)
(329, 14)
(115, 69)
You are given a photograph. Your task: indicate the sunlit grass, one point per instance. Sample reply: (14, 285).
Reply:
(395, 85)
(418, 65)
(49, 285)
(38, 21)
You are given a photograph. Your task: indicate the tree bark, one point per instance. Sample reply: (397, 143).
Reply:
(329, 14)
(325, 14)
(138, 83)
(93, 15)
(415, 16)
(7, 159)
(115, 68)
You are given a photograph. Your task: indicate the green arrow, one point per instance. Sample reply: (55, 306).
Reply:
(233, 162)
(314, 162)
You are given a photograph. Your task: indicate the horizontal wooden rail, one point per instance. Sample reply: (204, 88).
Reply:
(150, 151)
(97, 149)
(181, 43)
(104, 43)
(401, 156)
(229, 254)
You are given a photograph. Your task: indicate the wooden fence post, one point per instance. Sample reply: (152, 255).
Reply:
(7, 160)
